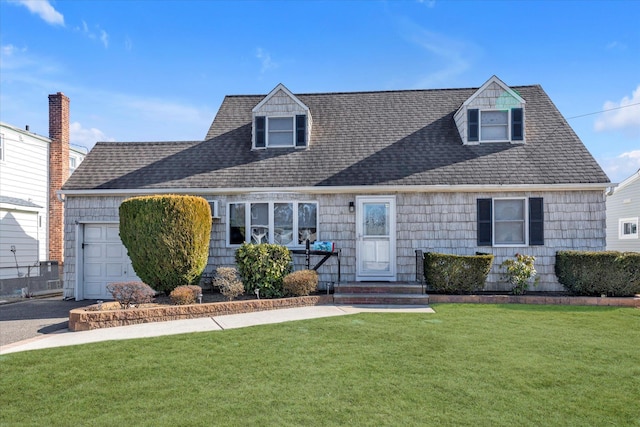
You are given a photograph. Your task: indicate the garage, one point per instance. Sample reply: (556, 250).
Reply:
(105, 260)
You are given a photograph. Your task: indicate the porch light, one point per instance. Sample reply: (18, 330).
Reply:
(352, 207)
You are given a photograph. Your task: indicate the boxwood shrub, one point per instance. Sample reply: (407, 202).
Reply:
(456, 274)
(263, 267)
(608, 273)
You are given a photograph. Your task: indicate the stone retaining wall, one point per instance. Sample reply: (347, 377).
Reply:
(84, 319)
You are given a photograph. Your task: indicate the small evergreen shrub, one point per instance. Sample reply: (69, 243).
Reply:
(228, 282)
(300, 283)
(263, 267)
(167, 238)
(129, 293)
(456, 274)
(186, 294)
(609, 273)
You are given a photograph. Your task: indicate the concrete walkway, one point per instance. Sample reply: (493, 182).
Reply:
(65, 338)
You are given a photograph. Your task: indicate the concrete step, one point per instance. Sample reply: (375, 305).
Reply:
(378, 288)
(377, 298)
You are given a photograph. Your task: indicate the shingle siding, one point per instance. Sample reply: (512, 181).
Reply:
(438, 222)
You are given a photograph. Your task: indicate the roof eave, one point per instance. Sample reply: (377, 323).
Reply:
(361, 189)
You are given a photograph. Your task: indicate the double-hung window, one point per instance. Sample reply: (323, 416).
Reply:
(628, 228)
(510, 222)
(495, 125)
(289, 131)
(283, 223)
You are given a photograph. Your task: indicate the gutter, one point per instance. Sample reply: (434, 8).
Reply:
(360, 189)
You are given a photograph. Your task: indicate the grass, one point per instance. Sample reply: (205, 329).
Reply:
(480, 365)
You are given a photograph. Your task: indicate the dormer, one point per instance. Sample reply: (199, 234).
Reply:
(281, 120)
(494, 113)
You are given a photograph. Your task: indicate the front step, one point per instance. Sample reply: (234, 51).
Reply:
(381, 299)
(380, 293)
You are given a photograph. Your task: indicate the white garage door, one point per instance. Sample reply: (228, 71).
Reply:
(105, 260)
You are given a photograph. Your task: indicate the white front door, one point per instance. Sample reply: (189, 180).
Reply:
(105, 260)
(376, 238)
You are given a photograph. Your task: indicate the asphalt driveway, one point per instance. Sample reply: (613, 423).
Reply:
(34, 317)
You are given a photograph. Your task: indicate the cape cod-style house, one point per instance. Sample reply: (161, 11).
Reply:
(494, 169)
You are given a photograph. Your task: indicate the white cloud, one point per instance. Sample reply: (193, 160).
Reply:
(104, 38)
(265, 59)
(622, 115)
(448, 57)
(623, 166)
(44, 10)
(86, 137)
(429, 3)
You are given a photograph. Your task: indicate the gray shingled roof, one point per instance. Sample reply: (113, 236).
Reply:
(18, 202)
(362, 138)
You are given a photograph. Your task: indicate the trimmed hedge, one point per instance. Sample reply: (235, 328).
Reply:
(263, 267)
(167, 238)
(456, 274)
(610, 273)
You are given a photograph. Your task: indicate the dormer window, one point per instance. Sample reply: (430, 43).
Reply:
(280, 131)
(281, 120)
(494, 113)
(495, 125)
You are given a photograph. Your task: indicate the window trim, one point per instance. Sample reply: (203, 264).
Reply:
(298, 131)
(525, 222)
(533, 220)
(622, 222)
(506, 125)
(474, 125)
(271, 220)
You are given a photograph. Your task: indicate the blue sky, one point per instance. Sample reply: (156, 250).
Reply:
(158, 70)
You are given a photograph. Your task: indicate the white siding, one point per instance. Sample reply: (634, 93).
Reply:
(623, 203)
(24, 174)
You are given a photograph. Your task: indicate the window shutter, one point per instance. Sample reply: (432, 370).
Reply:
(472, 125)
(484, 222)
(536, 221)
(517, 124)
(301, 130)
(260, 132)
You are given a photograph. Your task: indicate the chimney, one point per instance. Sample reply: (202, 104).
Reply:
(58, 171)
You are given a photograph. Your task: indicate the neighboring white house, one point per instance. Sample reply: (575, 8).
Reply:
(24, 198)
(623, 214)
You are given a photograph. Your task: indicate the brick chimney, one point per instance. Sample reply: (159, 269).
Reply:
(58, 171)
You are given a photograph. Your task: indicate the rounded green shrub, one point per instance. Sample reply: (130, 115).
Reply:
(167, 238)
(300, 283)
(263, 267)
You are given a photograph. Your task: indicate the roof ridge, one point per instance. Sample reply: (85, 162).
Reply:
(377, 91)
(147, 142)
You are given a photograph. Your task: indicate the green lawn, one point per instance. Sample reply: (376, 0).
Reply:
(479, 365)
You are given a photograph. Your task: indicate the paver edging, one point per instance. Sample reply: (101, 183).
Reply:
(537, 299)
(87, 318)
